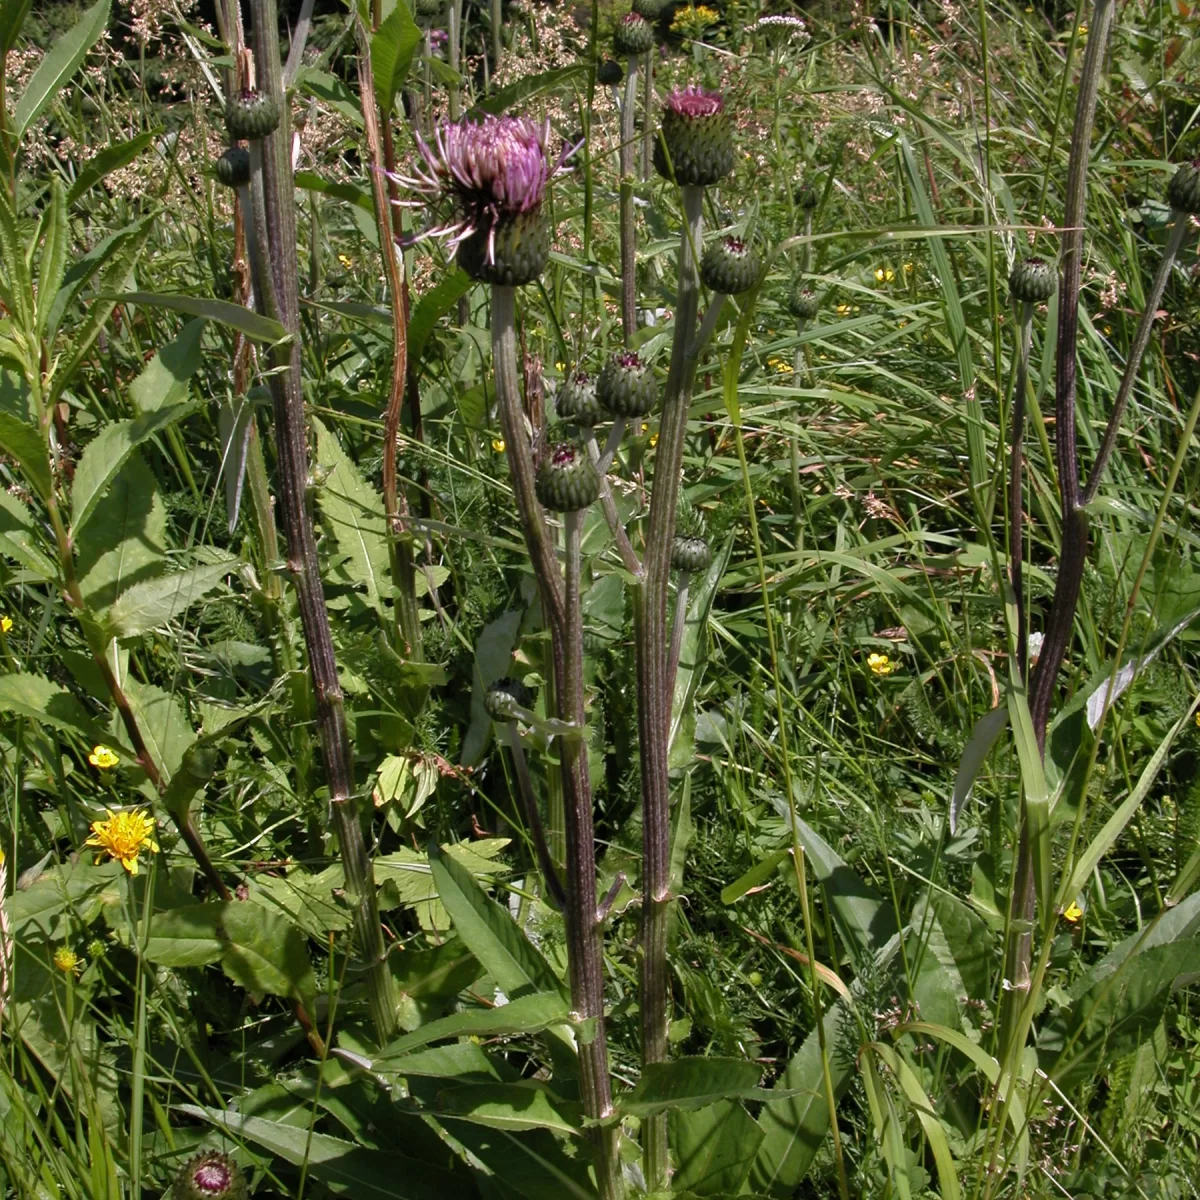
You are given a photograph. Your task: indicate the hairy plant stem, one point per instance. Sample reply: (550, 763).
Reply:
(608, 505)
(1073, 550)
(650, 641)
(628, 231)
(677, 624)
(647, 113)
(277, 290)
(400, 542)
(563, 614)
(1016, 473)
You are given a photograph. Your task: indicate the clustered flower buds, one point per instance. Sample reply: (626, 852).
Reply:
(577, 402)
(209, 1176)
(250, 116)
(730, 266)
(567, 481)
(626, 385)
(1183, 192)
(1032, 281)
(696, 146)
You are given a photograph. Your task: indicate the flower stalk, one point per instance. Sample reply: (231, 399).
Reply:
(277, 292)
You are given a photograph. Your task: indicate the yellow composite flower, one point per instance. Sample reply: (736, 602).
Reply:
(346, 261)
(123, 836)
(780, 367)
(880, 664)
(1072, 913)
(5, 623)
(66, 960)
(103, 757)
(498, 445)
(694, 20)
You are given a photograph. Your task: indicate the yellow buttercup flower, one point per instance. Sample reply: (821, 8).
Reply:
(123, 836)
(1072, 913)
(880, 664)
(346, 261)
(884, 274)
(103, 757)
(498, 445)
(780, 366)
(5, 624)
(66, 960)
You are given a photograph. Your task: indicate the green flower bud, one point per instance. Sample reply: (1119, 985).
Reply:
(1032, 281)
(698, 137)
(519, 250)
(610, 73)
(577, 402)
(806, 197)
(233, 167)
(209, 1176)
(504, 696)
(690, 554)
(429, 8)
(803, 303)
(650, 9)
(567, 481)
(730, 266)
(626, 386)
(250, 116)
(1183, 192)
(633, 35)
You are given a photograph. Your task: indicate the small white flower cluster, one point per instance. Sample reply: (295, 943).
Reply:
(790, 26)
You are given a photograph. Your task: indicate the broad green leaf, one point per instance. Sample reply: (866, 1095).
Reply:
(331, 91)
(266, 953)
(1037, 795)
(165, 380)
(431, 308)
(406, 878)
(1104, 841)
(66, 897)
(489, 931)
(155, 602)
(21, 539)
(60, 63)
(32, 696)
(984, 736)
(186, 937)
(349, 193)
(758, 874)
(515, 94)
(111, 158)
(164, 724)
(921, 1105)
(53, 264)
(12, 18)
(690, 1083)
(714, 1148)
(514, 1106)
(343, 1167)
(864, 920)
(455, 1060)
(125, 541)
(531, 1013)
(237, 316)
(107, 453)
(352, 510)
(24, 443)
(392, 47)
(529, 1165)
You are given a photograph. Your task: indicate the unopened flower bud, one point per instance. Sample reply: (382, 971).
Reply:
(504, 697)
(250, 115)
(1183, 192)
(567, 481)
(233, 167)
(698, 138)
(577, 402)
(1032, 281)
(690, 554)
(632, 36)
(626, 386)
(730, 266)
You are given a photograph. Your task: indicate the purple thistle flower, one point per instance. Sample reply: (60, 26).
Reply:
(491, 171)
(438, 38)
(693, 102)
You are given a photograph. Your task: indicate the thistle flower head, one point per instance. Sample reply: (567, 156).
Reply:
(694, 102)
(490, 171)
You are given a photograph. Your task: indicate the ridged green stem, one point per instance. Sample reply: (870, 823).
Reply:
(277, 290)
(628, 231)
(1016, 494)
(564, 616)
(650, 639)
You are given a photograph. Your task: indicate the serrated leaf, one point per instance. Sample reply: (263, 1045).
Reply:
(166, 378)
(353, 512)
(25, 444)
(105, 455)
(56, 68)
(690, 1083)
(369, 1174)
(26, 695)
(186, 937)
(392, 47)
(489, 931)
(514, 1106)
(20, 538)
(53, 262)
(266, 953)
(155, 602)
(164, 724)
